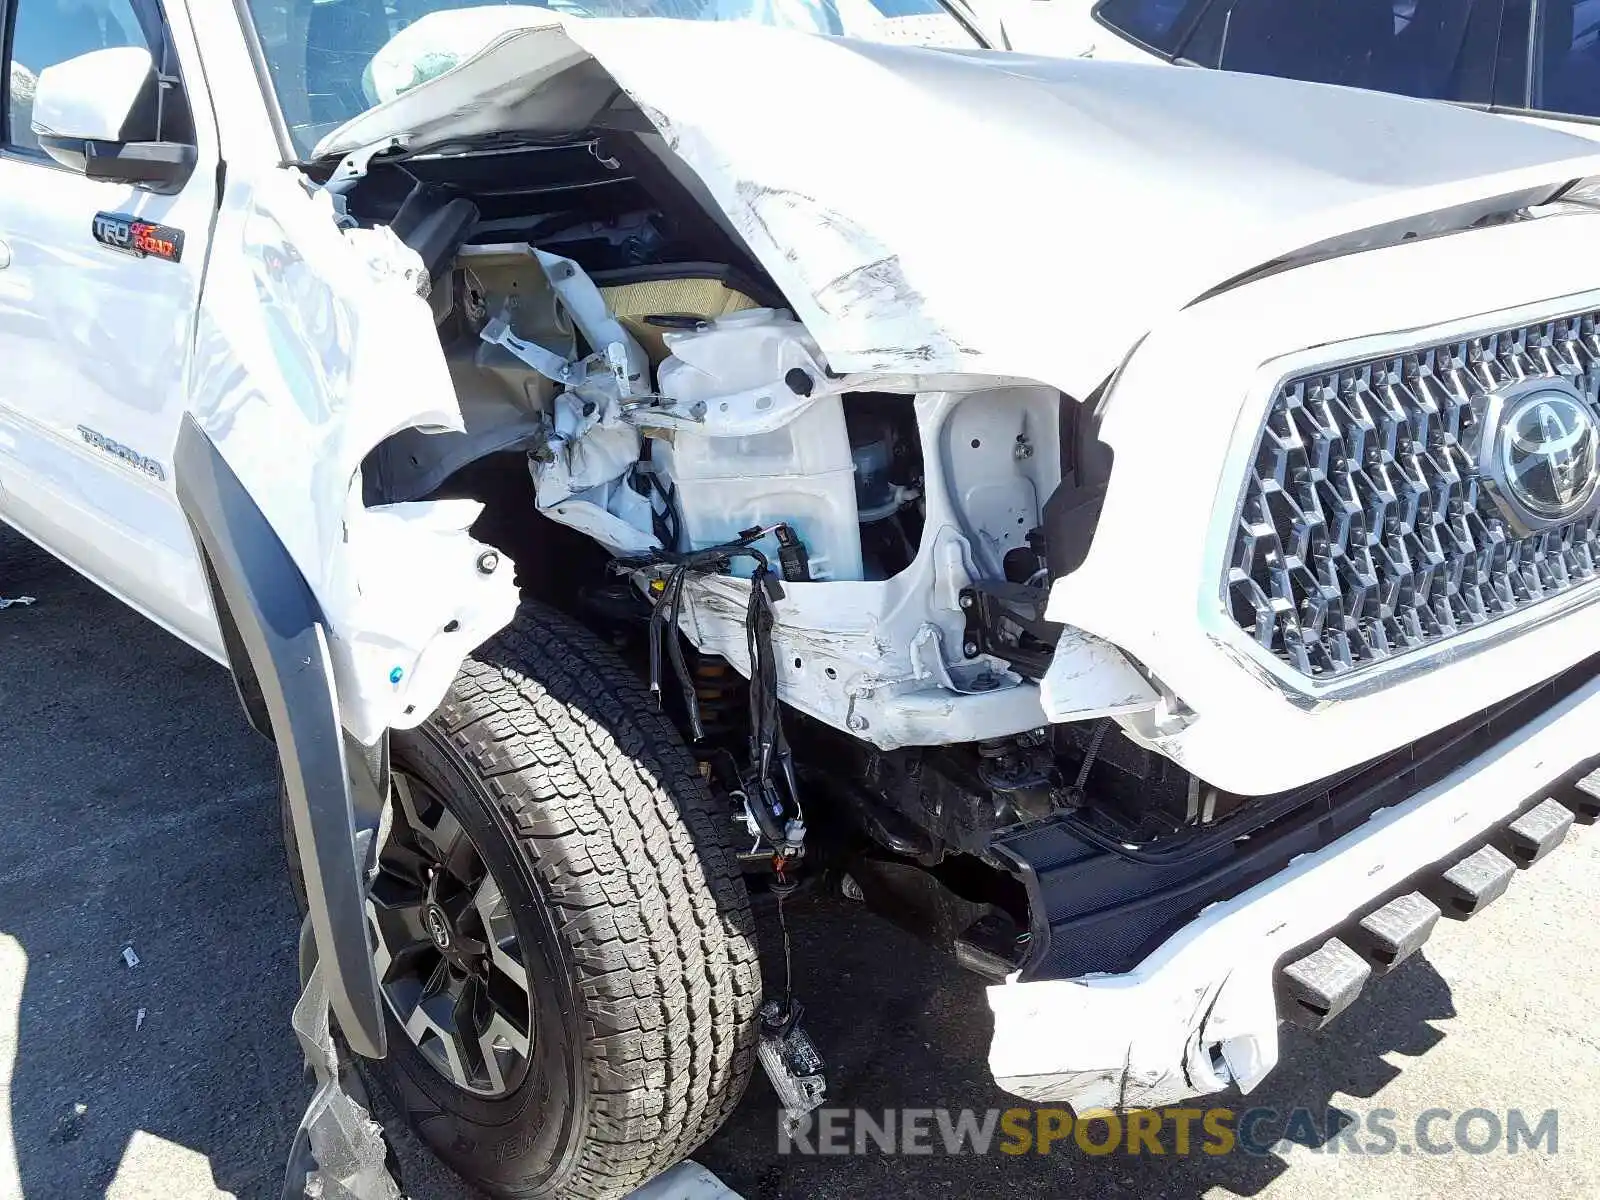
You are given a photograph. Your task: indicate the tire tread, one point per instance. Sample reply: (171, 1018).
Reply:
(636, 860)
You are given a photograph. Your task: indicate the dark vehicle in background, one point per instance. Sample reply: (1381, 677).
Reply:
(1533, 58)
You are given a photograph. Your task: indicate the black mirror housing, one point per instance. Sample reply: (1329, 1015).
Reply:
(159, 166)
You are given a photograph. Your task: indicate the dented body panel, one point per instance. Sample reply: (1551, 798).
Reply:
(881, 283)
(1188, 183)
(1251, 727)
(1201, 1012)
(1149, 160)
(312, 346)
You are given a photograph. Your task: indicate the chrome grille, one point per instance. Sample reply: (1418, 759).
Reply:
(1365, 531)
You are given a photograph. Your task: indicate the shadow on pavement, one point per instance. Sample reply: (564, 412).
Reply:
(140, 811)
(903, 1027)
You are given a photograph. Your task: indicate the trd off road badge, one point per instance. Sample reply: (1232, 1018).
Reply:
(129, 235)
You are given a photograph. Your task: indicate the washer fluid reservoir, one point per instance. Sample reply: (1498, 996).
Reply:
(793, 469)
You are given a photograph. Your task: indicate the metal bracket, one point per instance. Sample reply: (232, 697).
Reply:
(1006, 620)
(554, 367)
(352, 169)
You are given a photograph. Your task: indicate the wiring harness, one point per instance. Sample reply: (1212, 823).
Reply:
(771, 790)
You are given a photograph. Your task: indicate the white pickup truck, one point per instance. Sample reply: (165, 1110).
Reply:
(1139, 527)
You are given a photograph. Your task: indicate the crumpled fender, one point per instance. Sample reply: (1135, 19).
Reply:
(313, 345)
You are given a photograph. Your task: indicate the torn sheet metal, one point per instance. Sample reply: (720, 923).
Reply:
(339, 1152)
(864, 199)
(583, 476)
(592, 447)
(1089, 678)
(312, 346)
(859, 655)
(394, 643)
(584, 471)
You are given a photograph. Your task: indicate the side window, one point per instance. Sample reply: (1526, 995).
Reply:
(1566, 59)
(1514, 76)
(1159, 24)
(46, 32)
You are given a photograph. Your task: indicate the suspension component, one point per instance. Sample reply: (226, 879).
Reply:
(719, 690)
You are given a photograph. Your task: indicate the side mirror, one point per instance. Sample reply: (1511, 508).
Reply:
(99, 114)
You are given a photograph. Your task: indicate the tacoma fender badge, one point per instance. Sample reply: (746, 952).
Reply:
(133, 458)
(141, 239)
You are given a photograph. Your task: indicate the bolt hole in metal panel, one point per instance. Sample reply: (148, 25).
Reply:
(1397, 502)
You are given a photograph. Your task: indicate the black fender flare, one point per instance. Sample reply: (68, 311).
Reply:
(277, 644)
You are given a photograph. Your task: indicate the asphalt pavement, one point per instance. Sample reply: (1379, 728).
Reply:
(137, 814)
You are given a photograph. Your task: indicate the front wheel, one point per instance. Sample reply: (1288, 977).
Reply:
(562, 934)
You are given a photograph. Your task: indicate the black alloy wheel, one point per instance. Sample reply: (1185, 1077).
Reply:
(451, 968)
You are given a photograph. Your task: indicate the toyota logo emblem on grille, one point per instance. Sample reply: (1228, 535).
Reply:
(1545, 462)
(1547, 450)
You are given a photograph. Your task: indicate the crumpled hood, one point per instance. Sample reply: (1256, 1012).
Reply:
(932, 211)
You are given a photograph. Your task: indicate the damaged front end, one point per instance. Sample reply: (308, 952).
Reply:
(903, 494)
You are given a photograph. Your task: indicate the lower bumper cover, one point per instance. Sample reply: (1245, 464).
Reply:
(1201, 1012)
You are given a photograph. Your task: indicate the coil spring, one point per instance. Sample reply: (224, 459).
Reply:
(721, 693)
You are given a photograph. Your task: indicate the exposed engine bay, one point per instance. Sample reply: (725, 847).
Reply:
(836, 583)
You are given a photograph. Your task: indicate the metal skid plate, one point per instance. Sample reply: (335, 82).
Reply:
(1538, 831)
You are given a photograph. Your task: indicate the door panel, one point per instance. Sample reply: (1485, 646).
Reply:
(96, 345)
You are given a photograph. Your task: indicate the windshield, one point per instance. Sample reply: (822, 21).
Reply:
(320, 53)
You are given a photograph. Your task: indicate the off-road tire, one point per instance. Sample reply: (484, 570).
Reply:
(630, 908)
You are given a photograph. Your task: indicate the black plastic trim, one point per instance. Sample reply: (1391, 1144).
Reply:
(243, 670)
(1072, 513)
(1096, 906)
(272, 620)
(1168, 55)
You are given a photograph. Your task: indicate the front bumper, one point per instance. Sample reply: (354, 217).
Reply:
(1202, 1010)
